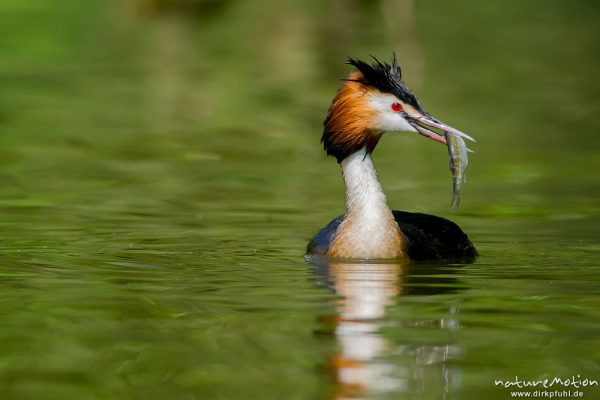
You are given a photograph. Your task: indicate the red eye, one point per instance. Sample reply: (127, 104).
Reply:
(396, 107)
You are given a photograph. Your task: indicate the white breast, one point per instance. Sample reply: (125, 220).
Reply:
(369, 229)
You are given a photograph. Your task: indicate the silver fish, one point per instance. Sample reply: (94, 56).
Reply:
(457, 150)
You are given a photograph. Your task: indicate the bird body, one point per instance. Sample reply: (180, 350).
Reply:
(371, 101)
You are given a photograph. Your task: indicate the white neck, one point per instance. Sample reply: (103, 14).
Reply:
(364, 195)
(369, 229)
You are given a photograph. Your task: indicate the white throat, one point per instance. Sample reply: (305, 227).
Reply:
(365, 199)
(369, 229)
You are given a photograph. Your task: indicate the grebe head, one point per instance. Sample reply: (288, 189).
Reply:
(374, 99)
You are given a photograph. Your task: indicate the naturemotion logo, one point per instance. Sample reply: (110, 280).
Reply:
(574, 382)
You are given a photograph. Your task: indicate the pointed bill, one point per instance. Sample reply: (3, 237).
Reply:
(423, 122)
(428, 120)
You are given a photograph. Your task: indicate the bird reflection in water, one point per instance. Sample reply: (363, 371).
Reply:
(369, 364)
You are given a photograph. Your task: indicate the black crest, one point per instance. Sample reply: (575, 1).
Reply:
(385, 78)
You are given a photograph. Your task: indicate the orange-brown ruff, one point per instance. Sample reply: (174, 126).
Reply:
(372, 100)
(349, 118)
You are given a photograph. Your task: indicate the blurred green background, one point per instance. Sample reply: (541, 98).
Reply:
(161, 173)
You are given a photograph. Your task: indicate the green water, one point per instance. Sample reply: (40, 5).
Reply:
(161, 173)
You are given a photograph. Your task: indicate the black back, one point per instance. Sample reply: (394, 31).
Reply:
(428, 238)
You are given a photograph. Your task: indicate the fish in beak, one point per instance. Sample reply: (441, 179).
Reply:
(457, 149)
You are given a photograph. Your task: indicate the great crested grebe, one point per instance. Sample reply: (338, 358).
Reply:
(374, 99)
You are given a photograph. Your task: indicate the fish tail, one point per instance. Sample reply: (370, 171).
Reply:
(455, 205)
